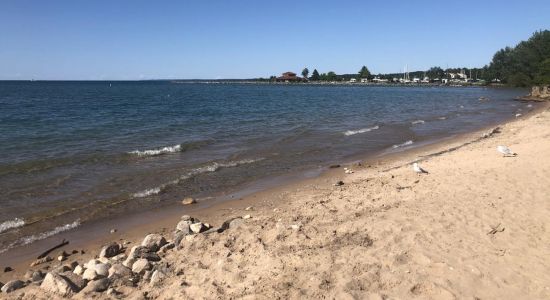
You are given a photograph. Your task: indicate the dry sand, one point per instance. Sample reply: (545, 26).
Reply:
(387, 233)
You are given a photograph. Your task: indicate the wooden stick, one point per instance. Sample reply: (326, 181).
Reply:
(45, 253)
(495, 229)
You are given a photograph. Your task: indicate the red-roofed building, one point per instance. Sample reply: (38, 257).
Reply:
(290, 77)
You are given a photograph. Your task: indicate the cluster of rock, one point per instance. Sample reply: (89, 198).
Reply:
(114, 268)
(538, 93)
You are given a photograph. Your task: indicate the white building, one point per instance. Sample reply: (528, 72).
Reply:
(353, 80)
(379, 80)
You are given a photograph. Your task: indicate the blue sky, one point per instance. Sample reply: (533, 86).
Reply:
(125, 40)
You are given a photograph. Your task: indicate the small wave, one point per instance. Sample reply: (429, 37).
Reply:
(407, 143)
(442, 118)
(11, 224)
(159, 151)
(418, 122)
(353, 132)
(146, 193)
(36, 237)
(213, 167)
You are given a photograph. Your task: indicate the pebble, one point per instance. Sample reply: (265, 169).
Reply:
(37, 276)
(231, 223)
(247, 217)
(197, 227)
(167, 247)
(56, 284)
(78, 270)
(339, 183)
(249, 208)
(77, 282)
(183, 226)
(41, 261)
(91, 263)
(110, 250)
(140, 266)
(113, 230)
(12, 285)
(154, 241)
(157, 277)
(119, 270)
(99, 285)
(102, 269)
(188, 201)
(90, 274)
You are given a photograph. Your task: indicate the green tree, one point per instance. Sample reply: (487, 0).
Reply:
(331, 76)
(543, 75)
(315, 75)
(435, 72)
(305, 72)
(364, 73)
(522, 65)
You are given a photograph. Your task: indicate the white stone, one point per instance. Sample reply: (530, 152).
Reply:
(119, 270)
(157, 277)
(90, 274)
(56, 284)
(12, 285)
(78, 270)
(91, 263)
(153, 241)
(197, 227)
(102, 269)
(141, 265)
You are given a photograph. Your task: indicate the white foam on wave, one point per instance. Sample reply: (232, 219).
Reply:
(146, 193)
(159, 151)
(407, 143)
(36, 237)
(353, 132)
(213, 167)
(418, 122)
(11, 224)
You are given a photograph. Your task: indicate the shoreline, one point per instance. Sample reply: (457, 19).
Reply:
(130, 228)
(91, 236)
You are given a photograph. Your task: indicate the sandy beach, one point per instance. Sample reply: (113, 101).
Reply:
(475, 227)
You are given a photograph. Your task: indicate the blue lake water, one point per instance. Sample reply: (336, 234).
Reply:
(73, 152)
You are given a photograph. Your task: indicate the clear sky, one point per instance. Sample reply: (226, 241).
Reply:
(119, 39)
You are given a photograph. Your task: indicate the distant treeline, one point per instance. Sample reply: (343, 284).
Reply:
(526, 64)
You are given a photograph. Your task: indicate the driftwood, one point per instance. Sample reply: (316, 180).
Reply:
(496, 229)
(45, 253)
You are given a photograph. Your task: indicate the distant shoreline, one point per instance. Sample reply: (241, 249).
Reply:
(261, 82)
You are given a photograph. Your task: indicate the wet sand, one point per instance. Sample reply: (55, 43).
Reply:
(385, 232)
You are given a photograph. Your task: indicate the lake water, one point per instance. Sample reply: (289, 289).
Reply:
(75, 152)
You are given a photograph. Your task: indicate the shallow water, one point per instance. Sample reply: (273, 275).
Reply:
(73, 152)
